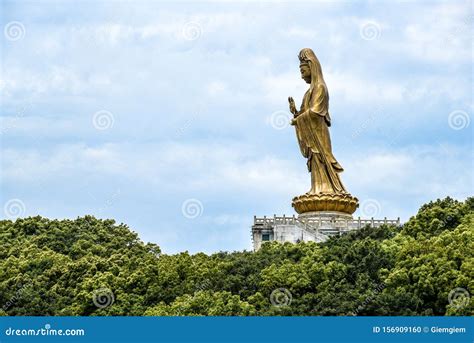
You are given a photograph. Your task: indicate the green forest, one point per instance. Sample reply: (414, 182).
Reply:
(92, 267)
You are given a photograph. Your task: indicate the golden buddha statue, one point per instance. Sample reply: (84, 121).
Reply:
(312, 124)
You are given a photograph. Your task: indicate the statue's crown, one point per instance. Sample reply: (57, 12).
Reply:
(303, 60)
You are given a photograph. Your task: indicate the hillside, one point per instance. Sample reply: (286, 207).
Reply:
(97, 267)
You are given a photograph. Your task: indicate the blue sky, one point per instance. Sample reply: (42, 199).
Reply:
(171, 116)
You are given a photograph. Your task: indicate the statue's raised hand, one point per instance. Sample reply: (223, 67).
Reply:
(292, 106)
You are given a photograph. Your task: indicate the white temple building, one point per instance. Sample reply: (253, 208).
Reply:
(315, 227)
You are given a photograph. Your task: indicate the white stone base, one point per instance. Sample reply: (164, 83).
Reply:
(308, 227)
(329, 215)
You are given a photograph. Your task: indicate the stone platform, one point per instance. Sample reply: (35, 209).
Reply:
(309, 226)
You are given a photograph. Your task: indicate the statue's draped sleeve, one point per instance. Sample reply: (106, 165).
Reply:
(304, 148)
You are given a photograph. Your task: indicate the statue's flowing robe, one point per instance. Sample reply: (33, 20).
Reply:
(315, 143)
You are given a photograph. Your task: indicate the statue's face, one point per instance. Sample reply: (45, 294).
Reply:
(305, 73)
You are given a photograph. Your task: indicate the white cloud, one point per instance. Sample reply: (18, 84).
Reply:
(216, 87)
(362, 90)
(448, 40)
(411, 175)
(277, 88)
(180, 166)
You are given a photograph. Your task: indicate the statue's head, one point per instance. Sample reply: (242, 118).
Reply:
(310, 68)
(305, 71)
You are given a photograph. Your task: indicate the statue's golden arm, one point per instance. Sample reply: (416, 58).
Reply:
(307, 112)
(318, 104)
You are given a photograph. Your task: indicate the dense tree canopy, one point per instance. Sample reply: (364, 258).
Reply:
(96, 267)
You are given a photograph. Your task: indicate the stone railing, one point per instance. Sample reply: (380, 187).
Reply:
(314, 228)
(317, 222)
